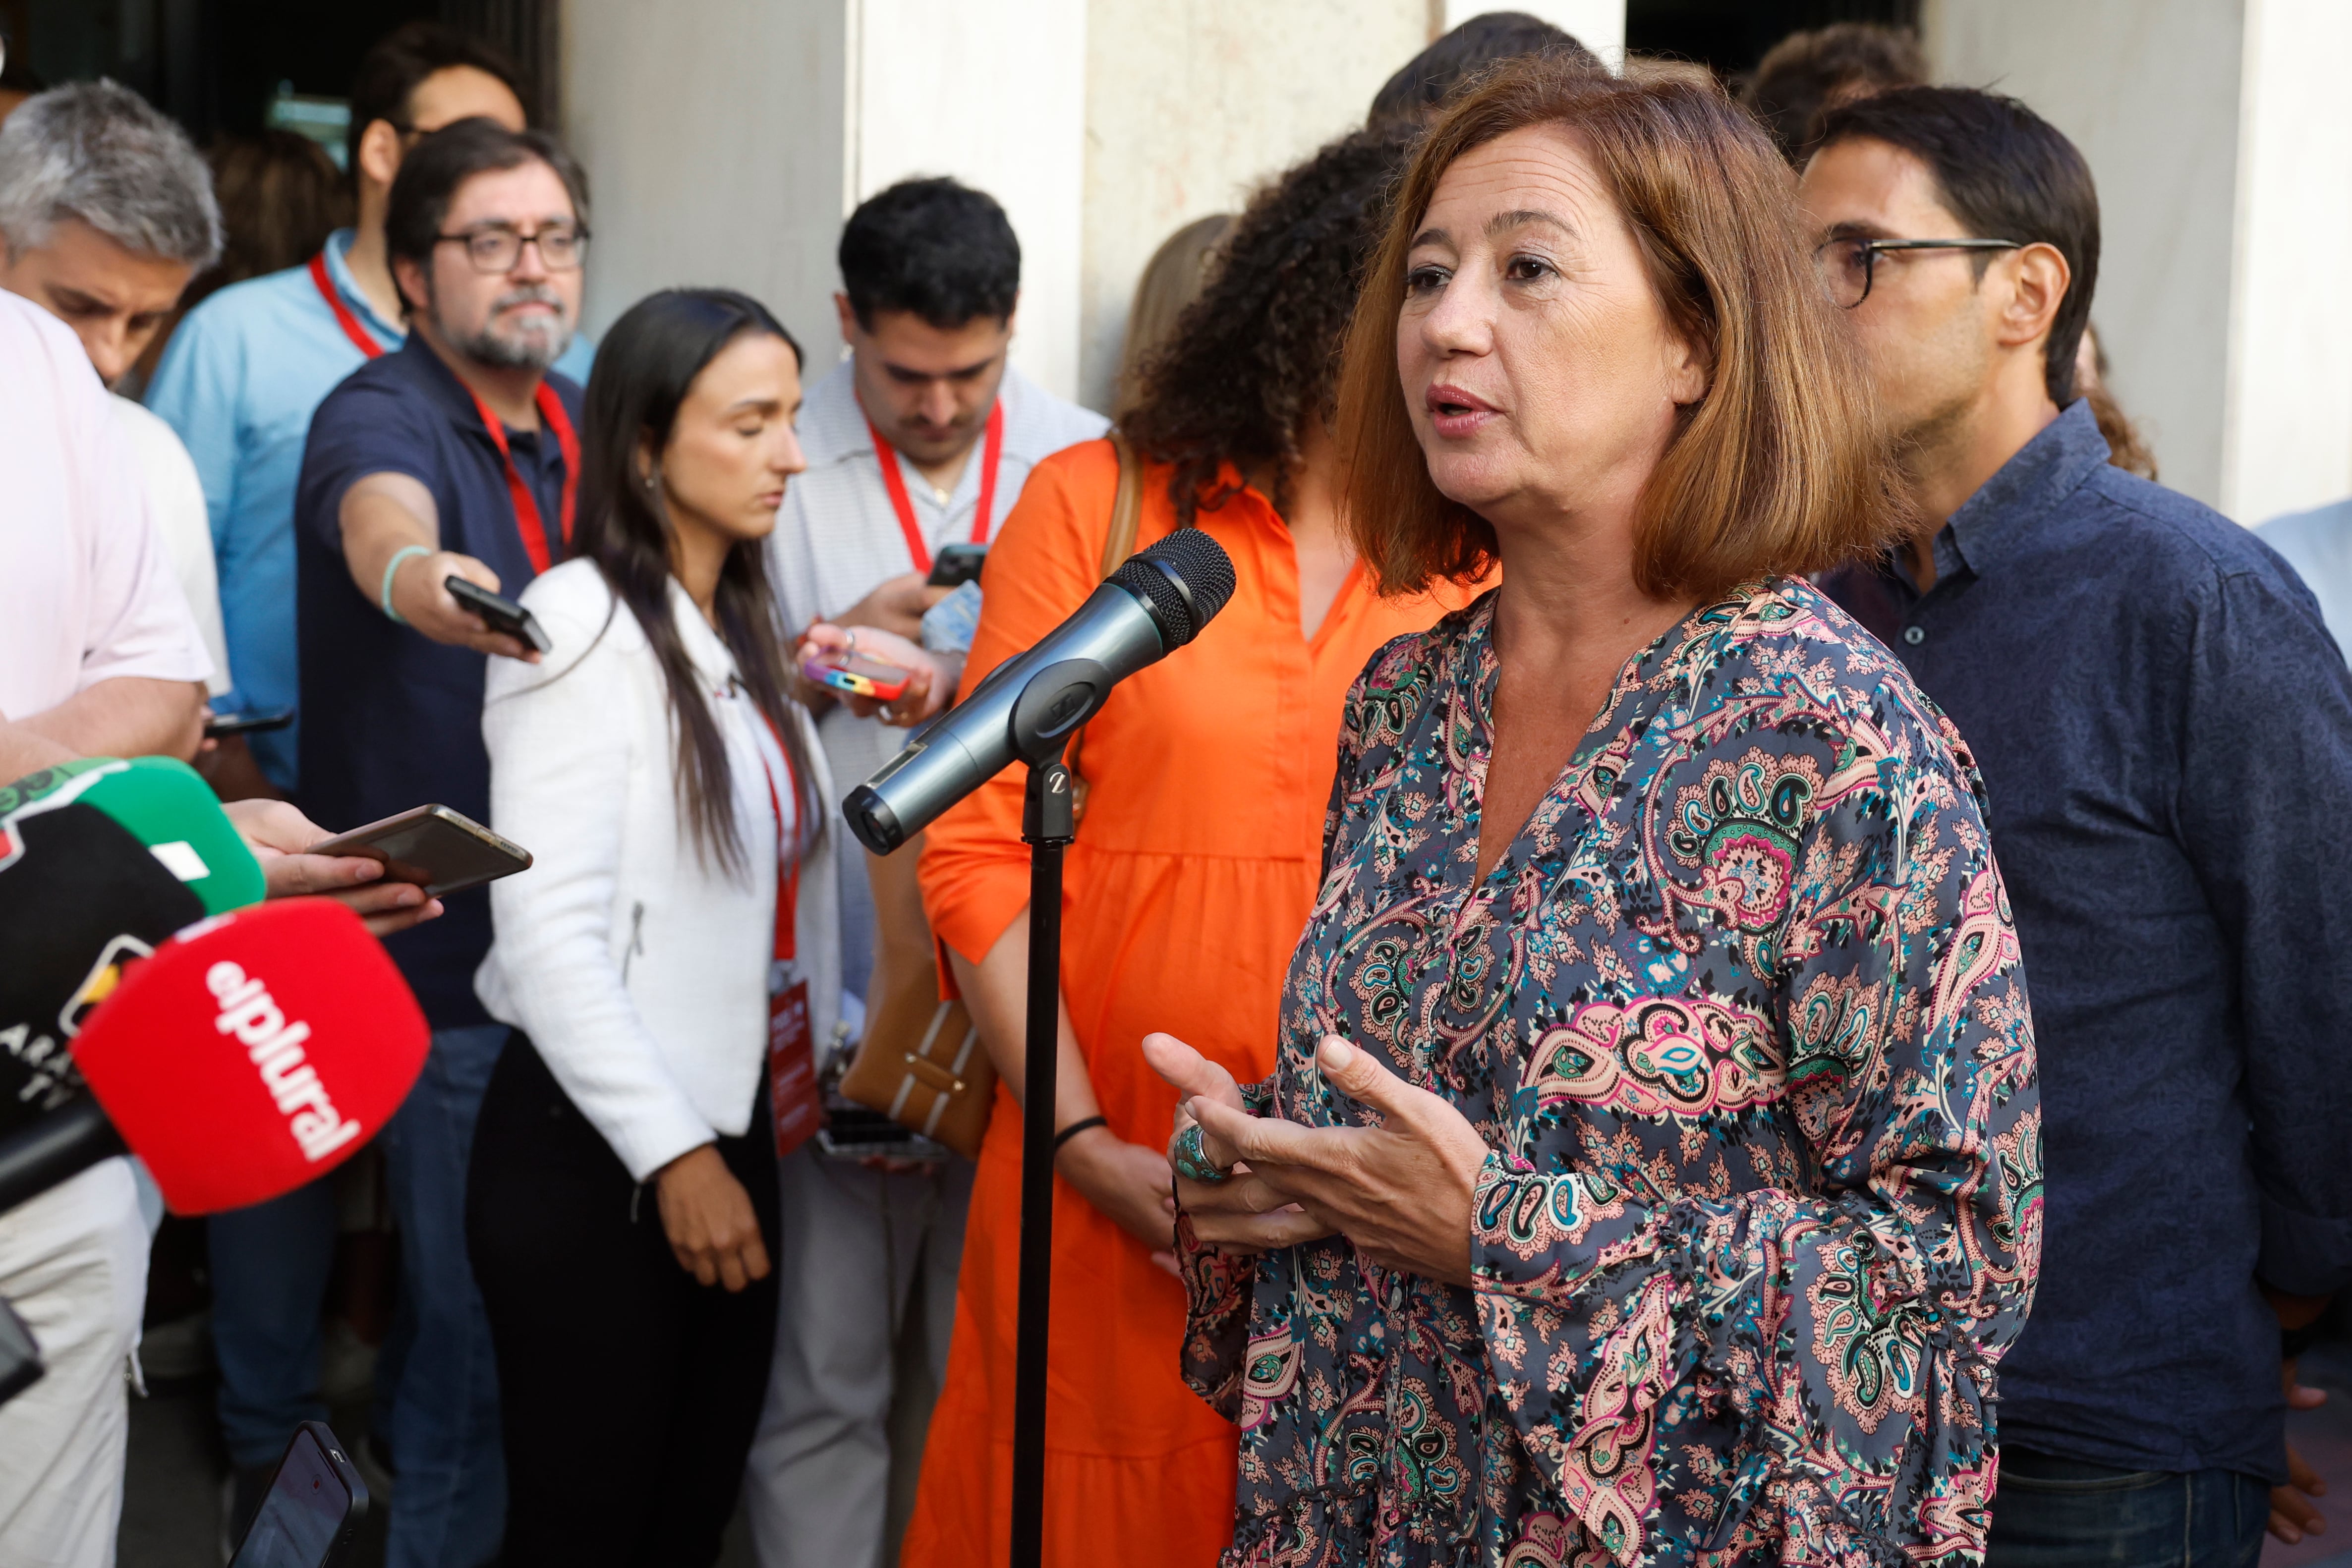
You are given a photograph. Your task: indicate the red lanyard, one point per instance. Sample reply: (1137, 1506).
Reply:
(526, 505)
(795, 1104)
(895, 482)
(528, 522)
(788, 882)
(360, 336)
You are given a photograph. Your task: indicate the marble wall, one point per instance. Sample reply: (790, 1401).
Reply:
(726, 140)
(1191, 103)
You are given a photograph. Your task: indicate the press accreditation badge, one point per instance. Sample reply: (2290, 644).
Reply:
(798, 1108)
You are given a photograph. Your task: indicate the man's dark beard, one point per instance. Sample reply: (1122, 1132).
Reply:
(532, 350)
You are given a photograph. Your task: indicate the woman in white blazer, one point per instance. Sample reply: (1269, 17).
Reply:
(667, 964)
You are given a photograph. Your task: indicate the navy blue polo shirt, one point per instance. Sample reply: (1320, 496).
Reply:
(2165, 731)
(392, 719)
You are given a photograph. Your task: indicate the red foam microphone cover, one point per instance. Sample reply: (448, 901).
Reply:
(254, 1052)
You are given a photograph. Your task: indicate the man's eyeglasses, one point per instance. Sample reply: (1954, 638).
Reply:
(1846, 264)
(496, 249)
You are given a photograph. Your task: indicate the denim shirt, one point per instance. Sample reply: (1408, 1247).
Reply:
(2165, 731)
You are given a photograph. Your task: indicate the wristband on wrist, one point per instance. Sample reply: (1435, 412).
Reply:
(384, 596)
(1075, 1128)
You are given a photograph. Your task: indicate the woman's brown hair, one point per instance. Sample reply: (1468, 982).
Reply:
(1779, 468)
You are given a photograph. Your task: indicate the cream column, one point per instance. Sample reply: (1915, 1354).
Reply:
(2223, 147)
(714, 134)
(727, 140)
(994, 93)
(2286, 433)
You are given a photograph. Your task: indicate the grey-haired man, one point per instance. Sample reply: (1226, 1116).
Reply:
(105, 213)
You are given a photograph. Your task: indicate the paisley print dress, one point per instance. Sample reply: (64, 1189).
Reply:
(1740, 1017)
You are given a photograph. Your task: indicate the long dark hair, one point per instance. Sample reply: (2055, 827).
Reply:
(1258, 352)
(644, 368)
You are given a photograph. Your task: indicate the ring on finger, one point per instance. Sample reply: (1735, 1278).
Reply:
(1191, 1158)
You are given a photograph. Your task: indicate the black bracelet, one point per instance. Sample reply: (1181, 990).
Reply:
(1075, 1128)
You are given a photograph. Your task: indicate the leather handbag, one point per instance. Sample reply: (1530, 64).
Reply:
(920, 1062)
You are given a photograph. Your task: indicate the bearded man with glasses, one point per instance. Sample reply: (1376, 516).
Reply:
(2165, 732)
(454, 456)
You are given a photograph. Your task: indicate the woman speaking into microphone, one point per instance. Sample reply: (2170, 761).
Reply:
(1650, 1170)
(666, 965)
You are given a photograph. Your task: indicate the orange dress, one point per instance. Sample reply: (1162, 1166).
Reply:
(1184, 898)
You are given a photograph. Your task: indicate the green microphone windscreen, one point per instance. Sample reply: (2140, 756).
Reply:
(165, 805)
(45, 782)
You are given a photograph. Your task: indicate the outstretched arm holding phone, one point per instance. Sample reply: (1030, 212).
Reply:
(383, 515)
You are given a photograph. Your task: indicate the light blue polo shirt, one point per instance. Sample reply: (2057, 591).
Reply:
(239, 381)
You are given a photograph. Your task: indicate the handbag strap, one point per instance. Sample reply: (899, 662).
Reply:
(1126, 516)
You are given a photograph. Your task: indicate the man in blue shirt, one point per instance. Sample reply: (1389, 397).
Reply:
(455, 456)
(246, 371)
(2318, 545)
(2165, 737)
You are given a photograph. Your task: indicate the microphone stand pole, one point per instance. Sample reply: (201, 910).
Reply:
(1048, 826)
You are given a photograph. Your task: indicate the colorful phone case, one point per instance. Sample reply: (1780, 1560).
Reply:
(855, 684)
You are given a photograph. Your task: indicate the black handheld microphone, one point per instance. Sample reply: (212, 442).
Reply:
(81, 897)
(1028, 706)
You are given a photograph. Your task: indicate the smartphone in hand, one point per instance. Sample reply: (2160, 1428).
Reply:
(498, 613)
(311, 1514)
(252, 721)
(858, 675)
(439, 849)
(957, 565)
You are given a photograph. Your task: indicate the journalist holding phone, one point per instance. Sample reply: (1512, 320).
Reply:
(621, 1209)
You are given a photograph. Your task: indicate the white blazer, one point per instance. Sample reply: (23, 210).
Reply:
(639, 970)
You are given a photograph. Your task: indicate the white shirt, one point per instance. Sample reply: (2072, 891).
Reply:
(88, 594)
(837, 538)
(175, 499)
(639, 970)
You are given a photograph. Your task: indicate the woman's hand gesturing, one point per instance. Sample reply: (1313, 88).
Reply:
(1401, 1191)
(1245, 1216)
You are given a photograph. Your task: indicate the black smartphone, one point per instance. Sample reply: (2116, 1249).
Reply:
(250, 722)
(439, 849)
(500, 614)
(957, 565)
(312, 1511)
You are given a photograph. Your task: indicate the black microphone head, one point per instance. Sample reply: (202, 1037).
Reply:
(1197, 570)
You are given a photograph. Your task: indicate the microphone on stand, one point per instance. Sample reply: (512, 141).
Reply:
(1029, 705)
(252, 1053)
